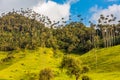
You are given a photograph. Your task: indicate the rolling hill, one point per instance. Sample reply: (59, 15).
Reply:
(26, 64)
(108, 63)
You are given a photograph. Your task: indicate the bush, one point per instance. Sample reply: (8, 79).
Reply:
(74, 67)
(85, 77)
(85, 69)
(8, 58)
(69, 61)
(46, 74)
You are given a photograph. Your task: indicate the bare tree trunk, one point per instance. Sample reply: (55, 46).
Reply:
(107, 38)
(77, 77)
(112, 37)
(103, 35)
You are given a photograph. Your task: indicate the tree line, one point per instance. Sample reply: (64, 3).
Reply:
(26, 29)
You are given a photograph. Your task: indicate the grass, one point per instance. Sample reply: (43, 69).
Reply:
(31, 63)
(27, 64)
(107, 66)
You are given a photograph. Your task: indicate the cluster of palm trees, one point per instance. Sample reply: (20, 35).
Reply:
(109, 30)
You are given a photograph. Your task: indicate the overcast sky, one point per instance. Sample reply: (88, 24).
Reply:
(6, 5)
(56, 9)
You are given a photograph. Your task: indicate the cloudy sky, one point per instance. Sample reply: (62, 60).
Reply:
(56, 9)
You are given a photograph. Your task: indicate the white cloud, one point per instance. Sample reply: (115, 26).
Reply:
(8, 5)
(54, 10)
(50, 8)
(114, 9)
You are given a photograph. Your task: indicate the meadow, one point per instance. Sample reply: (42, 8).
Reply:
(26, 64)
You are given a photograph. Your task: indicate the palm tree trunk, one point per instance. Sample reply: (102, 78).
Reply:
(77, 77)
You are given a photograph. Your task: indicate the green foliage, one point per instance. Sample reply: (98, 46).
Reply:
(84, 77)
(74, 37)
(46, 74)
(29, 30)
(85, 69)
(26, 30)
(69, 61)
(18, 32)
(73, 66)
(7, 58)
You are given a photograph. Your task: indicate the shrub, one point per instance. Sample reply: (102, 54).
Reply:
(85, 69)
(73, 66)
(85, 77)
(46, 74)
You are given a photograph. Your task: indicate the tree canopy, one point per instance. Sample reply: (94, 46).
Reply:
(29, 30)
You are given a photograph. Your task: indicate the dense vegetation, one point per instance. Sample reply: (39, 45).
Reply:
(18, 31)
(26, 29)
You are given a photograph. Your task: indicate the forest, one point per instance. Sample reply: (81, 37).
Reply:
(26, 29)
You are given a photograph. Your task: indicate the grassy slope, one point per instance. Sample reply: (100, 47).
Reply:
(31, 62)
(108, 63)
(27, 62)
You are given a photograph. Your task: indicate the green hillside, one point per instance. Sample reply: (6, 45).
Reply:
(26, 64)
(108, 63)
